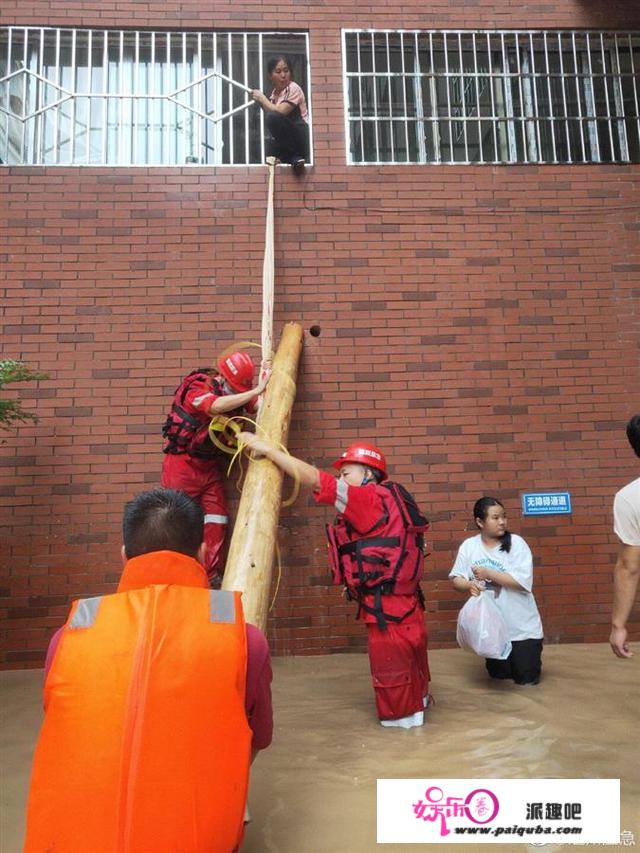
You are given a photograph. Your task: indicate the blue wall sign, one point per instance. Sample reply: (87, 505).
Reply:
(546, 503)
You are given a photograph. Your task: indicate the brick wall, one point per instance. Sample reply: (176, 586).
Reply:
(479, 323)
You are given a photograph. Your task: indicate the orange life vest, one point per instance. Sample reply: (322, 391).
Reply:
(145, 745)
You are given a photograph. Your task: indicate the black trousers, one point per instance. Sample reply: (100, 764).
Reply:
(523, 664)
(290, 138)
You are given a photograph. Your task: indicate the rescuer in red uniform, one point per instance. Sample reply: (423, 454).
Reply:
(192, 462)
(376, 548)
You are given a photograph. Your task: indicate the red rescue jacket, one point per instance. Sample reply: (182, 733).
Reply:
(188, 433)
(387, 559)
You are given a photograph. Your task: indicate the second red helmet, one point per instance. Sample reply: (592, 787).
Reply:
(364, 454)
(237, 368)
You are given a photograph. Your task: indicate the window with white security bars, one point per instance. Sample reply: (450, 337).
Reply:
(127, 98)
(492, 97)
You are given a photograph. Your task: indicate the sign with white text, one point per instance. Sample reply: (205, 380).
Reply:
(546, 503)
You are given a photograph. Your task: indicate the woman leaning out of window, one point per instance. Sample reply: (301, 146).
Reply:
(286, 115)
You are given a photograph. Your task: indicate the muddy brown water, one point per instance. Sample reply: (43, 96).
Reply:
(314, 790)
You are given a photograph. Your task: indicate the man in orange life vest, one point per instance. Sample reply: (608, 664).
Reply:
(156, 699)
(192, 462)
(376, 548)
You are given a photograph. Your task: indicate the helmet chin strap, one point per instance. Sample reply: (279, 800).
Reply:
(368, 477)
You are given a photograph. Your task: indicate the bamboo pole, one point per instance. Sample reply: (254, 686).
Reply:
(268, 272)
(252, 548)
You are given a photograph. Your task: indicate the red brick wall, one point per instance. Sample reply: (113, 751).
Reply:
(479, 323)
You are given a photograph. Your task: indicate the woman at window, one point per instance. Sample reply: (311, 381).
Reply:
(286, 115)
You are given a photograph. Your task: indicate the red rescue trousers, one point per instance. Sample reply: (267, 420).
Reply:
(399, 666)
(201, 480)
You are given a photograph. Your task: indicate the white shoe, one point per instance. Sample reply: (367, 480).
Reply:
(409, 722)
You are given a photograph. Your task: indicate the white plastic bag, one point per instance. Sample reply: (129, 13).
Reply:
(481, 628)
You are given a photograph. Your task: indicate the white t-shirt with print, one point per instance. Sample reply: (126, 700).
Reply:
(626, 513)
(518, 607)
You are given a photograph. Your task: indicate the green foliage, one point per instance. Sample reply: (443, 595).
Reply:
(11, 411)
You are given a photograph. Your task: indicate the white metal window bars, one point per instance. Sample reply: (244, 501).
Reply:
(105, 97)
(491, 96)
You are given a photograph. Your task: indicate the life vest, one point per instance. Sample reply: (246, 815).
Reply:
(388, 559)
(145, 744)
(186, 433)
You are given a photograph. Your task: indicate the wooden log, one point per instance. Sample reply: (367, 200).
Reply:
(252, 547)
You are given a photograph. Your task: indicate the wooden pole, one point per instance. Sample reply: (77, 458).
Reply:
(252, 548)
(268, 271)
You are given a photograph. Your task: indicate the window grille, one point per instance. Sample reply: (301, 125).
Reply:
(492, 97)
(126, 98)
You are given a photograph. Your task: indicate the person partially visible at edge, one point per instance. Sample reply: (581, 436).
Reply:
(192, 463)
(626, 524)
(376, 548)
(501, 562)
(286, 115)
(156, 700)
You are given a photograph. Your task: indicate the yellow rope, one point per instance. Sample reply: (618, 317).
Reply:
(220, 424)
(244, 345)
(235, 347)
(229, 428)
(239, 345)
(237, 454)
(279, 565)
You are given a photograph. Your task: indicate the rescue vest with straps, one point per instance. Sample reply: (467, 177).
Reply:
(388, 559)
(145, 744)
(187, 433)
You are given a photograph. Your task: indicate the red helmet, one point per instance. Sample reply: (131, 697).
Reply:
(364, 454)
(237, 369)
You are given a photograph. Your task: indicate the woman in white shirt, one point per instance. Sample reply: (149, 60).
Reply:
(499, 563)
(286, 115)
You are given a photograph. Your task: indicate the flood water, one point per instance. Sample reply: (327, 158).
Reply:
(314, 790)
